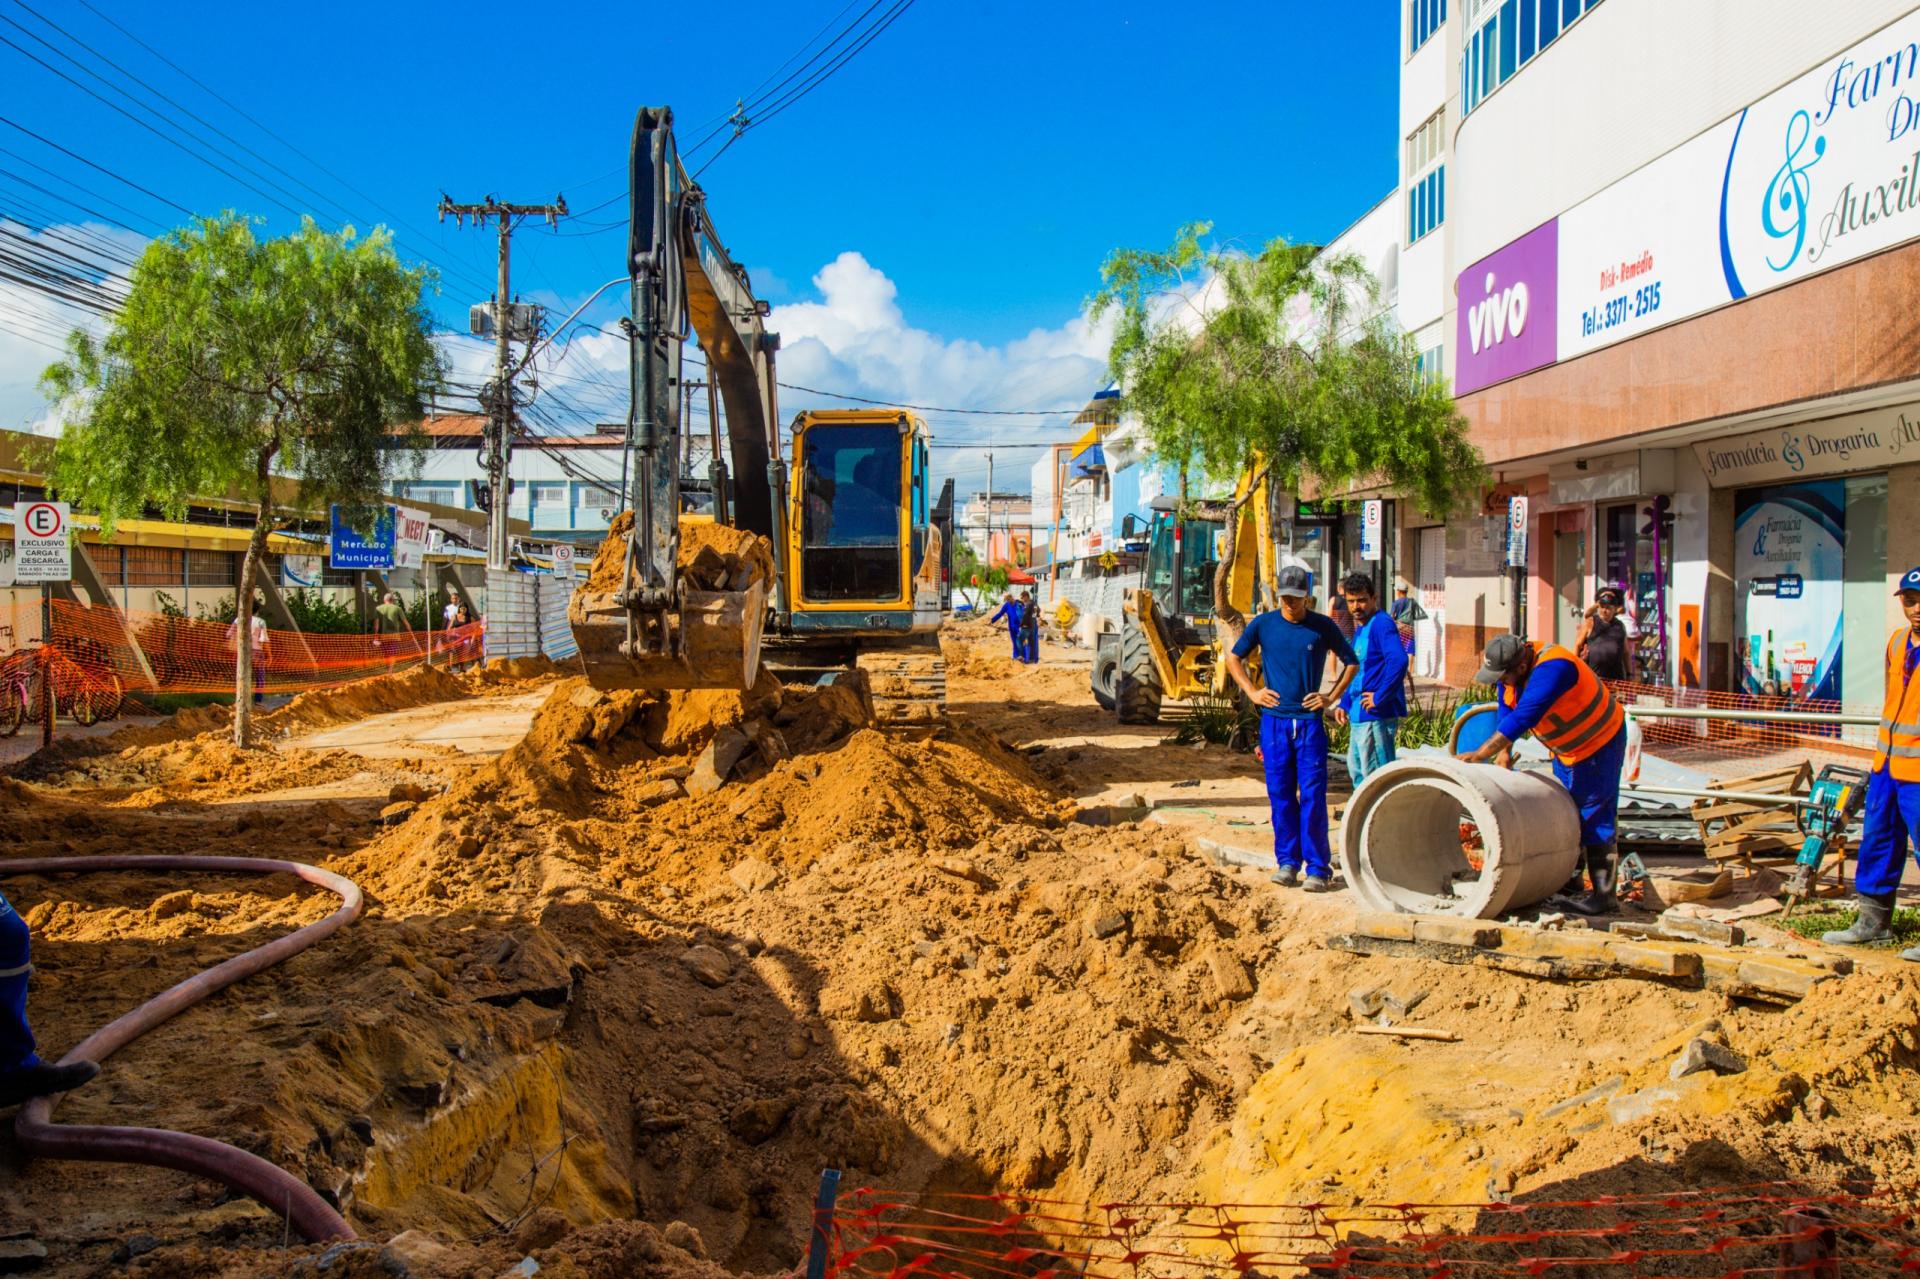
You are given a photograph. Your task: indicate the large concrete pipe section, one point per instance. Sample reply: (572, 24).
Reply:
(1401, 838)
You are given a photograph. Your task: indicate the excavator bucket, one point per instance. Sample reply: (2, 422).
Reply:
(714, 642)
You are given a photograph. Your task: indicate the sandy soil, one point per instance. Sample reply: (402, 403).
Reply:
(600, 1015)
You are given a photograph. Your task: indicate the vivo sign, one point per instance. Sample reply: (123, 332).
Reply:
(1821, 172)
(1506, 312)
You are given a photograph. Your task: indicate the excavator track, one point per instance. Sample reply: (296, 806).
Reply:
(909, 690)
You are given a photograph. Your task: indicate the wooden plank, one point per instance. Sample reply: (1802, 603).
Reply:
(1409, 1032)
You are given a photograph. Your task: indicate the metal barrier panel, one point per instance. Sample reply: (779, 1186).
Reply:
(556, 636)
(513, 615)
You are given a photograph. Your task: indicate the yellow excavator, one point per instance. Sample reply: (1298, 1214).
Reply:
(861, 549)
(1185, 613)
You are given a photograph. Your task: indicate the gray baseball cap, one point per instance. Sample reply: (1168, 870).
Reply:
(1294, 582)
(1499, 658)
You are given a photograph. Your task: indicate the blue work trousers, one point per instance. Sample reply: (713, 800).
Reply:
(1013, 633)
(1595, 783)
(1892, 819)
(16, 1041)
(1295, 751)
(1370, 747)
(1029, 646)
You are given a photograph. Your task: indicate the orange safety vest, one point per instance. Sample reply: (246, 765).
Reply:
(1581, 720)
(1898, 747)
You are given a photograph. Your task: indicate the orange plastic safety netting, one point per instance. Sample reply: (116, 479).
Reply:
(1738, 738)
(167, 653)
(1772, 1229)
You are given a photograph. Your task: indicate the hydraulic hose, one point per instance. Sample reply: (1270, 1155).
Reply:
(250, 1175)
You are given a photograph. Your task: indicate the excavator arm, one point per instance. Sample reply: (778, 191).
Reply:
(657, 629)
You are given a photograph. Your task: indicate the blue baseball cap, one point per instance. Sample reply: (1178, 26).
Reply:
(1911, 582)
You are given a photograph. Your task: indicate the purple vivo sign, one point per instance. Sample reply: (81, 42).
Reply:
(1509, 311)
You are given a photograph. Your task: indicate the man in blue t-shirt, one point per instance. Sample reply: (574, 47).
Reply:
(1377, 702)
(1294, 642)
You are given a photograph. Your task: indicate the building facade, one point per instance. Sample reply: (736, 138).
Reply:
(566, 487)
(1678, 333)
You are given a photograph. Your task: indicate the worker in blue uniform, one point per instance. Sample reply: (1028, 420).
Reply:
(1377, 700)
(1294, 642)
(22, 1073)
(1892, 818)
(1029, 629)
(1546, 690)
(1011, 614)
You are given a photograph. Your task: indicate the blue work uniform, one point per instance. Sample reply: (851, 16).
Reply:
(1293, 739)
(1594, 782)
(16, 1041)
(1010, 610)
(1383, 672)
(1891, 820)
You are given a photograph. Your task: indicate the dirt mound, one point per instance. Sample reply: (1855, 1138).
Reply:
(720, 545)
(421, 686)
(985, 658)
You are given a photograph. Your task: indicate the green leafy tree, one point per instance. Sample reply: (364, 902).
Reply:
(1285, 359)
(236, 359)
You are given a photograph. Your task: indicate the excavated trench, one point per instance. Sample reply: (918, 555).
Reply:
(588, 990)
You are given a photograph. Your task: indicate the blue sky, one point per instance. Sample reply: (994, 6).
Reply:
(928, 221)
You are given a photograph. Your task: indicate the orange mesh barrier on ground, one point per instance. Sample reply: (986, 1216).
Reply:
(1734, 746)
(1773, 1229)
(189, 656)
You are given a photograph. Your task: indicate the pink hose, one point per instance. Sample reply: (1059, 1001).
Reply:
(251, 1175)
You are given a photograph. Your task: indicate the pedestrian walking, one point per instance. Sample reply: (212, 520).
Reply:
(1892, 819)
(1030, 629)
(1376, 701)
(1010, 613)
(257, 632)
(1546, 690)
(389, 624)
(1294, 642)
(22, 1073)
(1602, 641)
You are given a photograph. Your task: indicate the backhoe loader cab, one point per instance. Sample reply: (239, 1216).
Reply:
(1164, 647)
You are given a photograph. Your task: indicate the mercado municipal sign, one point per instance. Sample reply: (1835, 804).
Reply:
(1819, 173)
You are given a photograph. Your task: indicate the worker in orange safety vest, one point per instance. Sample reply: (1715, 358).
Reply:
(1546, 690)
(1892, 818)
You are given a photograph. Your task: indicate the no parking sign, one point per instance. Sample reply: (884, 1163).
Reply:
(41, 550)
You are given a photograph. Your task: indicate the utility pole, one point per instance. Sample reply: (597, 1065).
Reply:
(500, 403)
(989, 555)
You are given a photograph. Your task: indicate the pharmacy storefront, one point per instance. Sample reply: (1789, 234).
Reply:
(1811, 508)
(1623, 352)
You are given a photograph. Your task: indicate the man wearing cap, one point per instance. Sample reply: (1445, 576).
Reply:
(1602, 642)
(1294, 642)
(1892, 818)
(1546, 690)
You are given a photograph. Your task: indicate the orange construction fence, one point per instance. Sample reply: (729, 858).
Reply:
(184, 655)
(1731, 742)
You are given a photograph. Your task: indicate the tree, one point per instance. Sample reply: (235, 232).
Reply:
(236, 359)
(1284, 359)
(1286, 356)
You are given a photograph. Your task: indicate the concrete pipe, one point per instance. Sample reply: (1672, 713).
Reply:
(1401, 838)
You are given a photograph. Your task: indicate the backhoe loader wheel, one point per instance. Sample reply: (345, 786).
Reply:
(1106, 675)
(1137, 691)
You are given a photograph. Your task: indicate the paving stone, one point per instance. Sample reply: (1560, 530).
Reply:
(715, 765)
(1457, 932)
(751, 875)
(1365, 1000)
(1230, 977)
(1705, 1055)
(1385, 926)
(1693, 928)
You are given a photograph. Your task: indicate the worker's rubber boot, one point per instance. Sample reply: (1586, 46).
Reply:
(1603, 869)
(1876, 916)
(44, 1079)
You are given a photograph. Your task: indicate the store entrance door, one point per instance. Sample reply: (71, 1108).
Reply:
(1569, 585)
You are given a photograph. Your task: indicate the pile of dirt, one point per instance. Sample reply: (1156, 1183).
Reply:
(323, 708)
(985, 657)
(712, 554)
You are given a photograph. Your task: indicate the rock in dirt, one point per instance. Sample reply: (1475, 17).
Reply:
(1366, 1000)
(394, 814)
(685, 1238)
(1230, 977)
(133, 1246)
(1107, 924)
(664, 791)
(962, 868)
(174, 903)
(709, 966)
(17, 1256)
(751, 875)
(715, 765)
(416, 1248)
(1704, 1054)
(755, 1122)
(409, 793)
